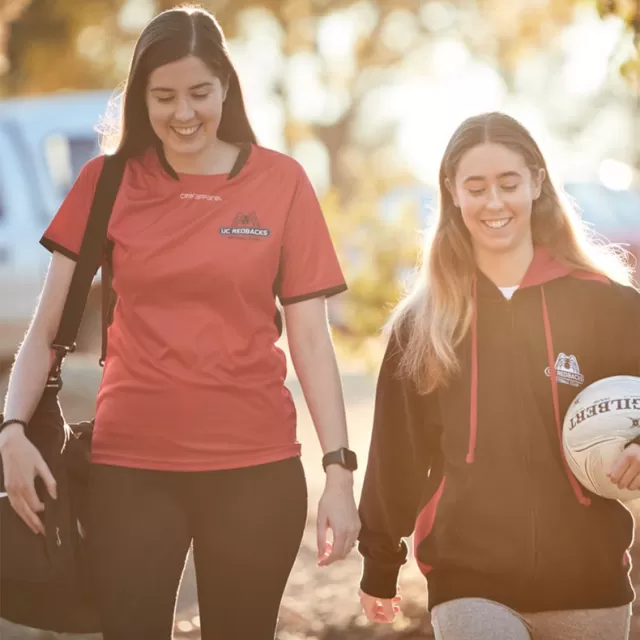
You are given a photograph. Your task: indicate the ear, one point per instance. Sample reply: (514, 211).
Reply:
(538, 179)
(452, 190)
(225, 88)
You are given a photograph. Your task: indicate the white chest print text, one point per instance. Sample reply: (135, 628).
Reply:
(200, 196)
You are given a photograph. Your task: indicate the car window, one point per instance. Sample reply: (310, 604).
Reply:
(3, 197)
(597, 205)
(65, 156)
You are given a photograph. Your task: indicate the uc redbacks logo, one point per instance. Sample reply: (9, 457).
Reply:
(245, 225)
(567, 370)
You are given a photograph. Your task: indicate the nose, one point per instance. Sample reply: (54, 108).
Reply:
(184, 111)
(494, 202)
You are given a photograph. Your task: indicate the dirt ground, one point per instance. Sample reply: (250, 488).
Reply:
(320, 604)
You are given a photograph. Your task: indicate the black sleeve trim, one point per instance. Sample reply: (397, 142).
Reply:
(327, 293)
(381, 582)
(52, 246)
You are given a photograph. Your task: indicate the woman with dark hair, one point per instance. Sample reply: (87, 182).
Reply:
(194, 439)
(466, 451)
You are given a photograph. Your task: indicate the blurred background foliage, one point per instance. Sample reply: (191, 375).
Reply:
(337, 82)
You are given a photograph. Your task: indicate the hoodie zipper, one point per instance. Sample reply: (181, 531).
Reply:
(531, 512)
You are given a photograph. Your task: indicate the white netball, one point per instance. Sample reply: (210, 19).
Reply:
(600, 421)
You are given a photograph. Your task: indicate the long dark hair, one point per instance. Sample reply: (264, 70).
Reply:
(170, 36)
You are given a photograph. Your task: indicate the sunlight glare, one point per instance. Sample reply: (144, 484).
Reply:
(615, 175)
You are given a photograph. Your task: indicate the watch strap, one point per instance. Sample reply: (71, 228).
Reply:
(343, 456)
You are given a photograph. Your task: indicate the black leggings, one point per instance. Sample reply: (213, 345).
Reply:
(246, 526)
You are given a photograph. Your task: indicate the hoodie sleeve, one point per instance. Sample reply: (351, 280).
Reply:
(634, 328)
(402, 451)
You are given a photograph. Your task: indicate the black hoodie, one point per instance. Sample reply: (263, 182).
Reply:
(475, 470)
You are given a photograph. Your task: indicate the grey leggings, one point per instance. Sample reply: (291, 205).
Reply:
(480, 619)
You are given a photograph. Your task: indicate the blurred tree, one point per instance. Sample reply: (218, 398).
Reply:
(629, 12)
(65, 45)
(10, 10)
(342, 57)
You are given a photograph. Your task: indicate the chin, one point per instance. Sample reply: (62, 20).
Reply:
(502, 245)
(186, 148)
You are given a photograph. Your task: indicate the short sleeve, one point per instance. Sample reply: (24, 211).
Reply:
(64, 233)
(309, 265)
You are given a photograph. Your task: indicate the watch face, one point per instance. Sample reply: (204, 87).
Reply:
(350, 460)
(343, 457)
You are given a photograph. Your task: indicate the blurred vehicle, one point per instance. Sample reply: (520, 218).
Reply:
(44, 142)
(615, 214)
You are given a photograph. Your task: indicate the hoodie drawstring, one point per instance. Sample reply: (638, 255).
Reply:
(473, 417)
(582, 499)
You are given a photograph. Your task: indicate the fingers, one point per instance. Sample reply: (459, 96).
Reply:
(619, 468)
(386, 611)
(47, 477)
(20, 485)
(625, 472)
(338, 550)
(27, 512)
(322, 529)
(369, 605)
(629, 476)
(345, 536)
(337, 511)
(380, 610)
(344, 540)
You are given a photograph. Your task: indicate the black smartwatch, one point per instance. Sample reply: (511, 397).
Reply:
(344, 457)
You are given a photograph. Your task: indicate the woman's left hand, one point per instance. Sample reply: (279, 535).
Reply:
(337, 511)
(625, 472)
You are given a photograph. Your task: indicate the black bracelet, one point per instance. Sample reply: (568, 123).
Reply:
(6, 423)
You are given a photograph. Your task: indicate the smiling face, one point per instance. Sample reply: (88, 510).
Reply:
(495, 191)
(184, 102)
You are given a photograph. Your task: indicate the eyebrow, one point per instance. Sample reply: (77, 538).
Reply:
(202, 85)
(506, 174)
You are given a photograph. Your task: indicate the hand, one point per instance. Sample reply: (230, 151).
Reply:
(337, 511)
(382, 610)
(22, 462)
(625, 471)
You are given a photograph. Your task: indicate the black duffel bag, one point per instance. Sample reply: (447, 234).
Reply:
(44, 580)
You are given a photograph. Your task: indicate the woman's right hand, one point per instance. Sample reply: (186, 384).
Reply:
(22, 462)
(380, 610)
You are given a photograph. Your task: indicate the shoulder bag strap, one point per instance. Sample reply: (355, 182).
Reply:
(91, 250)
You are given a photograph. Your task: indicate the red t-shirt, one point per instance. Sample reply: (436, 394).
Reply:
(193, 379)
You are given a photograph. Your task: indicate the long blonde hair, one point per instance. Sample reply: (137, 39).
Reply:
(436, 314)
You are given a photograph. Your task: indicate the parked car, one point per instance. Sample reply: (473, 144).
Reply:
(44, 142)
(615, 214)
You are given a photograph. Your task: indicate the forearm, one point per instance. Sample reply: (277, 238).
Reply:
(315, 364)
(28, 378)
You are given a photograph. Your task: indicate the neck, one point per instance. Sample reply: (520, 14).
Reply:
(218, 157)
(505, 269)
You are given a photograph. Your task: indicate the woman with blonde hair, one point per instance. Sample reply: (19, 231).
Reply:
(466, 451)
